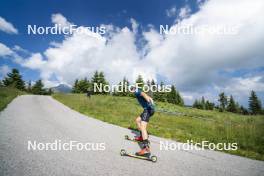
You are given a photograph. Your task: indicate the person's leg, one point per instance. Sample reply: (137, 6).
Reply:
(138, 122)
(143, 128)
(145, 151)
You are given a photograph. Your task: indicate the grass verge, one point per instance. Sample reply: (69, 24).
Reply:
(7, 95)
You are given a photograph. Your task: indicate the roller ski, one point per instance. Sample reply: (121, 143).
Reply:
(146, 156)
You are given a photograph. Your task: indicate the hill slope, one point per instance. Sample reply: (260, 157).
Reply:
(63, 88)
(186, 124)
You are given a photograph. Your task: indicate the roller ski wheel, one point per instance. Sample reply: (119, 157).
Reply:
(148, 158)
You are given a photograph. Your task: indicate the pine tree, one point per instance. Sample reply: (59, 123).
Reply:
(231, 107)
(50, 91)
(29, 87)
(99, 79)
(243, 110)
(195, 104)
(209, 105)
(160, 96)
(14, 79)
(150, 93)
(152, 82)
(179, 99)
(102, 78)
(83, 85)
(75, 87)
(254, 103)
(140, 81)
(124, 91)
(95, 78)
(203, 103)
(223, 102)
(172, 97)
(37, 88)
(154, 89)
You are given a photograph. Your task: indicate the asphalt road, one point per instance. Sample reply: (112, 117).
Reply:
(44, 120)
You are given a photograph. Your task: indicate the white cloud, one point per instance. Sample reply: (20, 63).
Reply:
(185, 12)
(192, 62)
(35, 61)
(171, 12)
(7, 26)
(4, 50)
(242, 86)
(9, 53)
(154, 39)
(60, 19)
(17, 48)
(134, 25)
(4, 69)
(81, 54)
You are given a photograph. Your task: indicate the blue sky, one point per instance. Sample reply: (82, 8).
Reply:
(82, 12)
(200, 65)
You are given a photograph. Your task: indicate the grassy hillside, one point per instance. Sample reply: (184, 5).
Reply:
(188, 124)
(7, 95)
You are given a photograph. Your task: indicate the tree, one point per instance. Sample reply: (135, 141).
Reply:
(231, 107)
(243, 110)
(203, 103)
(50, 91)
(140, 81)
(124, 91)
(95, 78)
(37, 88)
(29, 87)
(99, 79)
(172, 96)
(223, 102)
(254, 103)
(81, 86)
(160, 96)
(102, 78)
(14, 79)
(209, 105)
(1, 84)
(75, 87)
(153, 88)
(196, 104)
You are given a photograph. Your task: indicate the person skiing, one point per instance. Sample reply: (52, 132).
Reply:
(142, 121)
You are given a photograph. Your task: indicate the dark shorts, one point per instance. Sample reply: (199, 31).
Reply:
(146, 114)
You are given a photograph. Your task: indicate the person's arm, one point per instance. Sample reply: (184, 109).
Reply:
(146, 97)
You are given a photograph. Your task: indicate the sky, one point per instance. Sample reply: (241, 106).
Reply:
(199, 64)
